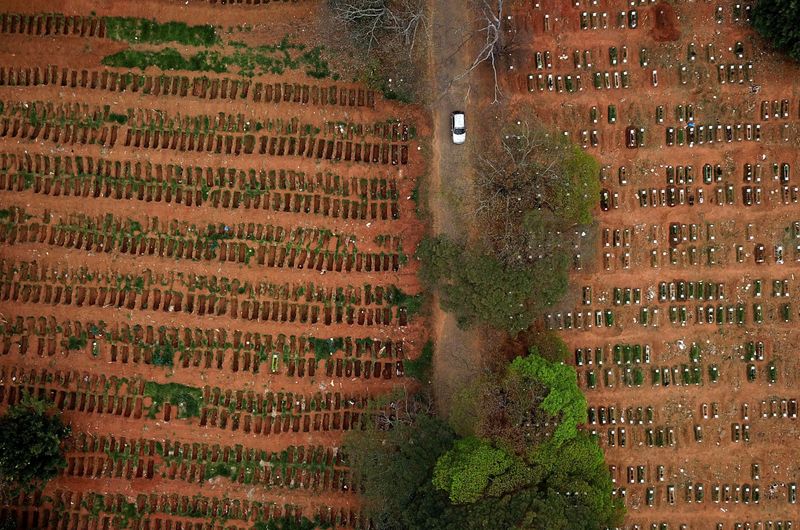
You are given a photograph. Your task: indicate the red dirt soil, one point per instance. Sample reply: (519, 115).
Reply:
(736, 434)
(665, 25)
(324, 250)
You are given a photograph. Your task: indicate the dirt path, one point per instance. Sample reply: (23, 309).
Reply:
(450, 178)
(450, 58)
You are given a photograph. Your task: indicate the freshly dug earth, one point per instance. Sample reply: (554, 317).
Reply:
(193, 362)
(735, 435)
(666, 27)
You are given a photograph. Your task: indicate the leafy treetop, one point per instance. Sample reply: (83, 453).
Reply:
(479, 289)
(30, 446)
(564, 399)
(559, 479)
(777, 21)
(466, 470)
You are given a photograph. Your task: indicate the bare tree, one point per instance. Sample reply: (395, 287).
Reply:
(401, 407)
(498, 41)
(492, 18)
(526, 193)
(512, 180)
(372, 20)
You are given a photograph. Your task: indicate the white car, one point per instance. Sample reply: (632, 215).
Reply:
(458, 127)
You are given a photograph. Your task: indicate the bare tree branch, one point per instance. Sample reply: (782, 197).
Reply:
(523, 172)
(492, 20)
(372, 20)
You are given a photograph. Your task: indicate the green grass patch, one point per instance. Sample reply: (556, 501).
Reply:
(37, 115)
(77, 342)
(163, 354)
(128, 511)
(187, 399)
(420, 368)
(375, 76)
(324, 348)
(144, 31)
(267, 59)
(118, 118)
(96, 505)
(219, 469)
(167, 59)
(412, 303)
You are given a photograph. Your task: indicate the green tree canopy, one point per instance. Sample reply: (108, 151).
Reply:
(534, 404)
(466, 470)
(394, 459)
(411, 465)
(549, 345)
(525, 445)
(534, 191)
(577, 467)
(564, 399)
(30, 445)
(778, 21)
(536, 401)
(479, 289)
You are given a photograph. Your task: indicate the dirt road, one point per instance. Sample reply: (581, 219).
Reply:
(450, 58)
(451, 52)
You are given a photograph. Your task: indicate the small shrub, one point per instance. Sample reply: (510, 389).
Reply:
(324, 348)
(118, 118)
(420, 367)
(163, 354)
(396, 297)
(549, 345)
(219, 469)
(77, 342)
(30, 446)
(187, 399)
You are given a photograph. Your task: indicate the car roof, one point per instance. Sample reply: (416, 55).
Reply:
(458, 119)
